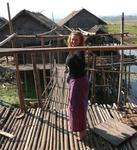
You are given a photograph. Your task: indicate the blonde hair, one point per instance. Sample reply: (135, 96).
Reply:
(77, 33)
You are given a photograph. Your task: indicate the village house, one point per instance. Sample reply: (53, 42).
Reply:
(29, 23)
(81, 19)
(2, 21)
(43, 86)
(34, 23)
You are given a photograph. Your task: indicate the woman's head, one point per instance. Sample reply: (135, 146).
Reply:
(75, 39)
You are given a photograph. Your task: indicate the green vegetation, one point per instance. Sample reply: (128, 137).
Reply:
(129, 27)
(113, 28)
(8, 95)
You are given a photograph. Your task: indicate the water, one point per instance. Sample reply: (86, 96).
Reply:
(132, 95)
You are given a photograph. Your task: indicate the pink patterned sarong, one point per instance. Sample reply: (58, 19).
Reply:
(78, 102)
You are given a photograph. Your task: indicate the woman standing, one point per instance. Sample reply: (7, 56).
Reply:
(78, 86)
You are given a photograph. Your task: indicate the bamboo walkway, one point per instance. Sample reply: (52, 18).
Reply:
(46, 128)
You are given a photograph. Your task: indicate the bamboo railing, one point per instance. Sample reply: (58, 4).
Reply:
(34, 51)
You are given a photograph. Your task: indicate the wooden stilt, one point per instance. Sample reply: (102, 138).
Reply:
(36, 79)
(121, 63)
(19, 84)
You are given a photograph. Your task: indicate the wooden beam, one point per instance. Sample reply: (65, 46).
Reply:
(7, 39)
(19, 84)
(7, 134)
(114, 131)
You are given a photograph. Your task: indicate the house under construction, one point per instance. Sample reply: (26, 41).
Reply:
(111, 120)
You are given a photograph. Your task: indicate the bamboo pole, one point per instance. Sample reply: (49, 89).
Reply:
(129, 75)
(121, 64)
(44, 67)
(66, 49)
(10, 23)
(10, 29)
(7, 39)
(36, 79)
(41, 36)
(112, 71)
(64, 36)
(94, 80)
(9, 135)
(19, 85)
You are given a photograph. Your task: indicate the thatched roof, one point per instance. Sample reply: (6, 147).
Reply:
(41, 18)
(74, 13)
(67, 18)
(2, 21)
(38, 17)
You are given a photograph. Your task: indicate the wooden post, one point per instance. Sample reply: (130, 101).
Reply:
(10, 23)
(44, 66)
(10, 29)
(19, 85)
(87, 57)
(128, 78)
(125, 84)
(36, 79)
(121, 63)
(94, 79)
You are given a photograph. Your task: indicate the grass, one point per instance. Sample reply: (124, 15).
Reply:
(9, 95)
(129, 27)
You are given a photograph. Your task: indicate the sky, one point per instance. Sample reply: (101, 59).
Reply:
(55, 9)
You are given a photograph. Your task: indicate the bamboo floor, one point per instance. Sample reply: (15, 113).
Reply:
(47, 129)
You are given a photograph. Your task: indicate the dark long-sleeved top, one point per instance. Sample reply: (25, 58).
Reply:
(76, 64)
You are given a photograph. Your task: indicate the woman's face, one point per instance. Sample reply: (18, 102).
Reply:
(75, 40)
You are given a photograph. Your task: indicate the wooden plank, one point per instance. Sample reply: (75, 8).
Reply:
(32, 131)
(22, 132)
(37, 130)
(7, 134)
(99, 113)
(97, 117)
(58, 130)
(4, 113)
(61, 129)
(66, 133)
(8, 125)
(114, 131)
(27, 128)
(46, 128)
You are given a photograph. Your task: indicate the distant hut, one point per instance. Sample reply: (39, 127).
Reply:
(30, 23)
(99, 36)
(81, 19)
